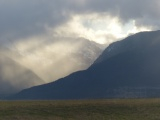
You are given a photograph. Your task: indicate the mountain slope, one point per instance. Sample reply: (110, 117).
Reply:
(14, 77)
(67, 56)
(128, 68)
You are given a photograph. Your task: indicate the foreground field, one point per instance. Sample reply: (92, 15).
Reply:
(124, 109)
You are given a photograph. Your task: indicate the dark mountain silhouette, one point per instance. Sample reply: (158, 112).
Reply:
(14, 77)
(126, 69)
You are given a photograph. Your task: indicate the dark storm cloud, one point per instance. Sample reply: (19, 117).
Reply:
(23, 18)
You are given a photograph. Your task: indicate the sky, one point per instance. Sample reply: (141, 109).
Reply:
(98, 20)
(30, 27)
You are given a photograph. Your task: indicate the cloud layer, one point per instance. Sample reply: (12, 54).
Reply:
(27, 18)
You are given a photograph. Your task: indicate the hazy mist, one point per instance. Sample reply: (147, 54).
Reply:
(53, 38)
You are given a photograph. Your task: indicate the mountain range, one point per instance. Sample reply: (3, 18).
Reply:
(23, 68)
(126, 69)
(51, 60)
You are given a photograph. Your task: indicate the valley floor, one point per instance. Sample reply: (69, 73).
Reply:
(114, 109)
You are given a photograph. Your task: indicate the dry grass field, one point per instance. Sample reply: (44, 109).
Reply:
(113, 109)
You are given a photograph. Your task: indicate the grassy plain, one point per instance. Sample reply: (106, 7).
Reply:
(114, 109)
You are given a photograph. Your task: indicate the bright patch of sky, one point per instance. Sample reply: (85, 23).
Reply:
(101, 29)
